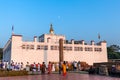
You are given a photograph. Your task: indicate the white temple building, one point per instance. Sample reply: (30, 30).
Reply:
(45, 48)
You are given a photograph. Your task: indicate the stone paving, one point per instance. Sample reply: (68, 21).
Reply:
(69, 76)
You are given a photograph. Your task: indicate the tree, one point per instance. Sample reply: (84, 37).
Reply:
(1, 53)
(113, 52)
(115, 48)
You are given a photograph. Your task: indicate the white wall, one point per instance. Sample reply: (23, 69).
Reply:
(31, 56)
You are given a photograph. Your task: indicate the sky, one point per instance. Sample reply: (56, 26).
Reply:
(76, 19)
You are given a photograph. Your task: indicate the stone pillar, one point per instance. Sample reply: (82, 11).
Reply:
(61, 50)
(60, 54)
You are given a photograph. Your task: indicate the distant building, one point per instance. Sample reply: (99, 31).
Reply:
(46, 48)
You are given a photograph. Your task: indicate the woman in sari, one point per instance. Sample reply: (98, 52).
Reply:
(49, 67)
(43, 68)
(64, 68)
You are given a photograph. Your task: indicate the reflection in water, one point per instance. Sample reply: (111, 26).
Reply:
(69, 76)
(61, 77)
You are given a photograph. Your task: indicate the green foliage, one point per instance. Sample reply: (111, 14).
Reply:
(113, 52)
(115, 48)
(1, 53)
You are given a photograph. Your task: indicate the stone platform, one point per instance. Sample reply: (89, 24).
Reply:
(69, 76)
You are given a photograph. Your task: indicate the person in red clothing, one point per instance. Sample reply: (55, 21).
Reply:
(43, 68)
(49, 68)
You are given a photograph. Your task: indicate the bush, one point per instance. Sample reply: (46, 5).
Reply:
(12, 73)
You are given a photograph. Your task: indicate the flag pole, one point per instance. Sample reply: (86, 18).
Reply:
(99, 36)
(12, 30)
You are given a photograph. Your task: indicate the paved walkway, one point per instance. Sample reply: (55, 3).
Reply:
(70, 76)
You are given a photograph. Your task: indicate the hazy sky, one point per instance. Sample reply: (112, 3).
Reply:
(76, 19)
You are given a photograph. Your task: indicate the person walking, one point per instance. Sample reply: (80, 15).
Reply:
(27, 67)
(34, 67)
(49, 67)
(39, 66)
(64, 68)
(43, 68)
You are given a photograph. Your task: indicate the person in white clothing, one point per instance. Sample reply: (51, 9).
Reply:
(38, 67)
(53, 67)
(27, 67)
(4, 63)
(8, 66)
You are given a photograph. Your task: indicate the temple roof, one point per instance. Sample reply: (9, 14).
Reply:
(51, 29)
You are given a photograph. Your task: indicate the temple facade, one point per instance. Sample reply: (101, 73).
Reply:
(45, 48)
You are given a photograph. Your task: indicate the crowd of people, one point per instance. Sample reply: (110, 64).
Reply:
(5, 65)
(41, 68)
